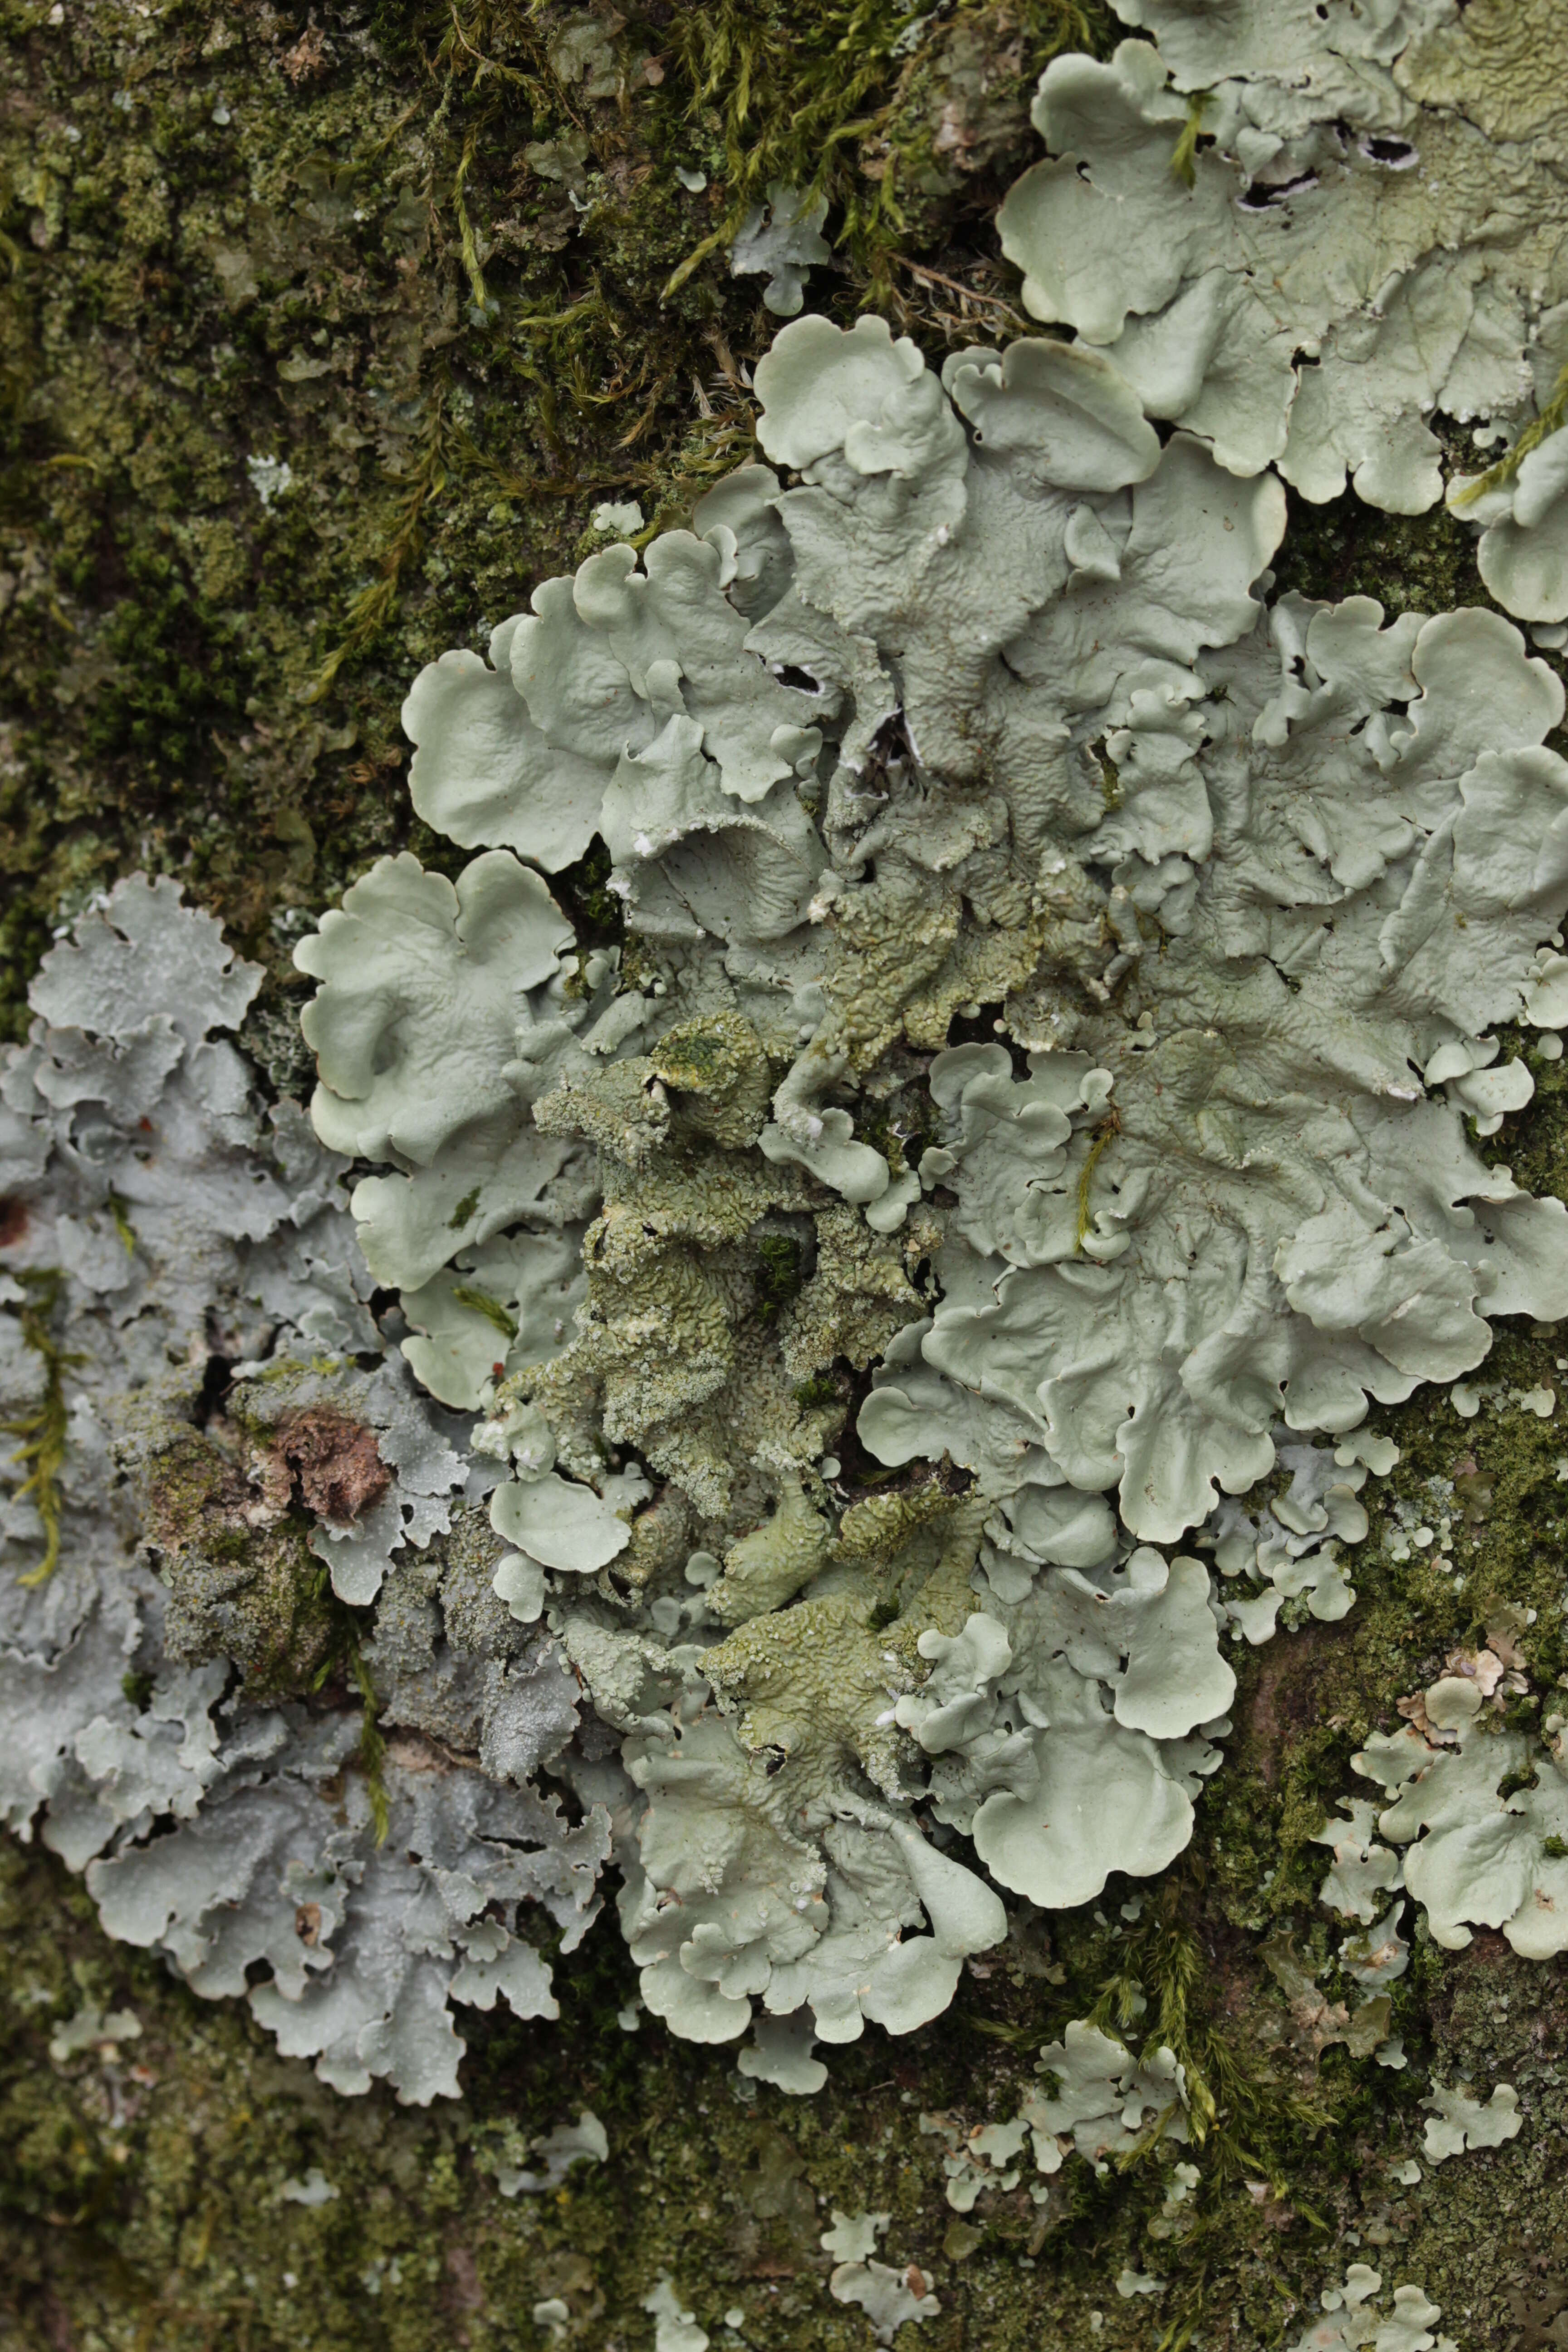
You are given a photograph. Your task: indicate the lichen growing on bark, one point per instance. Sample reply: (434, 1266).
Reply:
(138, 2209)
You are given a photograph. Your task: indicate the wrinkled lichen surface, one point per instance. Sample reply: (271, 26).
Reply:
(161, 2183)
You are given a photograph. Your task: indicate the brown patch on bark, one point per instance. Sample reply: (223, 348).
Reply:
(224, 1513)
(56, 2318)
(415, 1751)
(334, 1460)
(1286, 1697)
(774, 2237)
(1231, 1983)
(1540, 2311)
(309, 58)
(13, 1221)
(464, 2292)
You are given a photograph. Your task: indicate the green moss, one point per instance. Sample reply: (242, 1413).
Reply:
(598, 915)
(1549, 420)
(146, 2206)
(40, 1455)
(177, 672)
(901, 1126)
(800, 96)
(1422, 563)
(780, 1279)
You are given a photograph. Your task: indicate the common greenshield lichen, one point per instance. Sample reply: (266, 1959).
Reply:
(1523, 518)
(988, 710)
(1301, 230)
(1351, 2317)
(1326, 848)
(781, 240)
(1471, 1821)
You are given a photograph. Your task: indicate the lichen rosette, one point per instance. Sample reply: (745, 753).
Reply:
(976, 710)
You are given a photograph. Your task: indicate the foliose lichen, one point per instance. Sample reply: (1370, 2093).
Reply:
(987, 709)
(982, 716)
(1302, 230)
(245, 1468)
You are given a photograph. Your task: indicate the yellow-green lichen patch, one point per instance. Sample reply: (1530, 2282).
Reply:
(768, 1567)
(720, 1065)
(859, 1294)
(817, 1683)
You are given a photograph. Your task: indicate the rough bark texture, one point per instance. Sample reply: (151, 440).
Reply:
(419, 257)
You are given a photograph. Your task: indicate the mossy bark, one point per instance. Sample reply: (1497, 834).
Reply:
(423, 261)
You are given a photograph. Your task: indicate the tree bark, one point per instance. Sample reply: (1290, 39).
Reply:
(319, 343)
